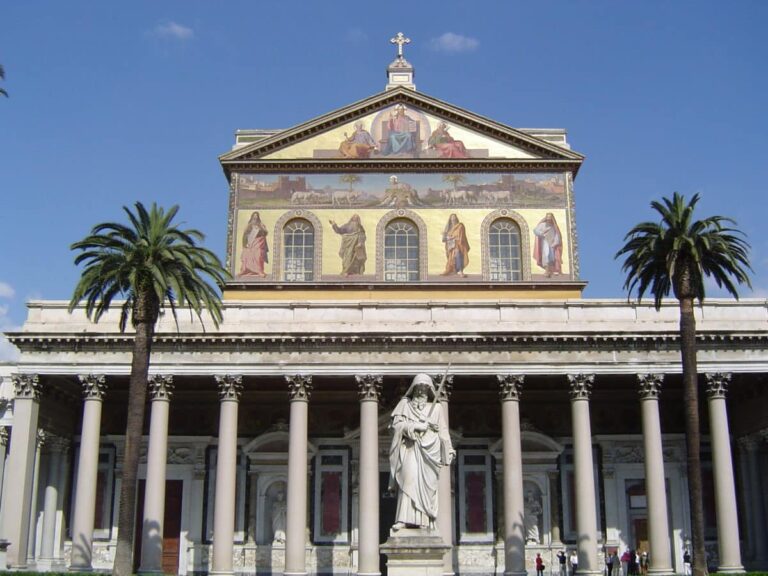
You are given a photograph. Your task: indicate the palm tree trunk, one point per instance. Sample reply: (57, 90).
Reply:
(134, 428)
(692, 433)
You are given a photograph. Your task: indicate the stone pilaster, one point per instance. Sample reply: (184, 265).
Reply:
(754, 498)
(299, 391)
(160, 392)
(655, 484)
(230, 388)
(510, 390)
(584, 481)
(42, 435)
(444, 492)
(57, 448)
(722, 469)
(368, 522)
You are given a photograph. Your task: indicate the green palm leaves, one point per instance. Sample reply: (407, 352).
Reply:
(677, 253)
(150, 262)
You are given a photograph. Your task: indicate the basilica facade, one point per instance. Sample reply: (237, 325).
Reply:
(395, 236)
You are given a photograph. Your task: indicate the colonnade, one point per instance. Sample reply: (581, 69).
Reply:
(21, 476)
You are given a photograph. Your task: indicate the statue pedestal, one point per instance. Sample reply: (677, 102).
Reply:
(414, 552)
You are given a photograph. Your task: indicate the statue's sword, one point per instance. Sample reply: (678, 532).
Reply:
(439, 390)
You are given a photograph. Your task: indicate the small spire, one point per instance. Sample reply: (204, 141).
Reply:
(400, 72)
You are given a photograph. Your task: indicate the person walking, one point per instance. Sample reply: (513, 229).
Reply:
(539, 565)
(574, 563)
(562, 560)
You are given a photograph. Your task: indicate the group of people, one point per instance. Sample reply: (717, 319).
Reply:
(631, 563)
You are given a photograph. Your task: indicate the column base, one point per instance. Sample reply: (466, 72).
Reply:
(580, 572)
(221, 573)
(369, 574)
(730, 570)
(516, 573)
(147, 572)
(661, 571)
(286, 573)
(415, 552)
(80, 569)
(51, 565)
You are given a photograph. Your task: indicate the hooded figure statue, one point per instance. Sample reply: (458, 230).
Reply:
(421, 444)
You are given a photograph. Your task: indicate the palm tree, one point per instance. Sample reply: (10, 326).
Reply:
(454, 179)
(350, 179)
(677, 254)
(2, 77)
(150, 263)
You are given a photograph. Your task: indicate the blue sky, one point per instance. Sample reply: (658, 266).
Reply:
(116, 102)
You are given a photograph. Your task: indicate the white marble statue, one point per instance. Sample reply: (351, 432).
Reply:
(532, 514)
(278, 518)
(421, 444)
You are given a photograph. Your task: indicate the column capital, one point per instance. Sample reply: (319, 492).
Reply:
(42, 438)
(749, 443)
(445, 393)
(369, 386)
(56, 443)
(510, 386)
(4, 435)
(230, 386)
(299, 387)
(581, 386)
(717, 384)
(160, 387)
(650, 386)
(26, 386)
(94, 386)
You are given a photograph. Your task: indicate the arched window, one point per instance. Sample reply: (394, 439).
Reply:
(298, 251)
(505, 262)
(401, 252)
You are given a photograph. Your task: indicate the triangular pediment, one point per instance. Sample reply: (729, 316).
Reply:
(399, 125)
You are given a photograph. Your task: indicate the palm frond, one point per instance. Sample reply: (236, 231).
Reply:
(677, 253)
(150, 257)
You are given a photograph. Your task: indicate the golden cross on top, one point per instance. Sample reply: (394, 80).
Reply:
(400, 40)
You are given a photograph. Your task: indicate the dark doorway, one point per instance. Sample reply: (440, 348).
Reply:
(171, 525)
(387, 509)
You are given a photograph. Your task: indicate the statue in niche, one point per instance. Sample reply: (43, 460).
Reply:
(533, 512)
(279, 510)
(420, 445)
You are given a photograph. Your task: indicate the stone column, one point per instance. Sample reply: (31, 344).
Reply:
(554, 509)
(444, 492)
(160, 391)
(299, 390)
(56, 448)
(21, 462)
(33, 510)
(655, 484)
(722, 469)
(584, 474)
(94, 388)
(368, 522)
(755, 498)
(63, 484)
(511, 386)
(230, 389)
(3, 453)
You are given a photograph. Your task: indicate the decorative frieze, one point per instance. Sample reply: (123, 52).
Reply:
(94, 386)
(26, 386)
(160, 387)
(717, 384)
(581, 386)
(230, 386)
(510, 386)
(55, 444)
(650, 386)
(299, 387)
(369, 386)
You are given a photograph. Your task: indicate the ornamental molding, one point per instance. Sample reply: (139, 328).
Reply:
(510, 386)
(299, 387)
(26, 386)
(160, 387)
(55, 444)
(369, 386)
(94, 386)
(717, 384)
(650, 386)
(230, 387)
(581, 386)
